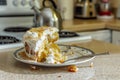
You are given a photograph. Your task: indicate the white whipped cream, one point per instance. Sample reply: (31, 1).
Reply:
(35, 42)
(31, 34)
(50, 59)
(50, 32)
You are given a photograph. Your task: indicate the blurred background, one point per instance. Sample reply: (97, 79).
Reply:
(114, 6)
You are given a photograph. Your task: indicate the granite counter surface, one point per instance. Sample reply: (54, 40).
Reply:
(105, 67)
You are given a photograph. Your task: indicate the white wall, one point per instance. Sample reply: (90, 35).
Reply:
(115, 3)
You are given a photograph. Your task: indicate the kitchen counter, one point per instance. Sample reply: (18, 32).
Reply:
(105, 67)
(100, 46)
(87, 25)
(114, 25)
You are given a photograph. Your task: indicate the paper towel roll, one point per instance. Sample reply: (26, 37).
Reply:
(66, 8)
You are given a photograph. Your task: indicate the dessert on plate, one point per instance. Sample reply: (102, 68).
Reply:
(39, 44)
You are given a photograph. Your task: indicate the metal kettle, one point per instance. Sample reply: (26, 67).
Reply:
(47, 16)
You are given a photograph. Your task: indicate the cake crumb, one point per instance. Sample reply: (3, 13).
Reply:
(72, 68)
(33, 67)
(91, 64)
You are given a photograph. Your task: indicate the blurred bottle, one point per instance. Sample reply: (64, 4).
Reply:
(105, 8)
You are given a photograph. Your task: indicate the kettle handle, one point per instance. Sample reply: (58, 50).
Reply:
(53, 3)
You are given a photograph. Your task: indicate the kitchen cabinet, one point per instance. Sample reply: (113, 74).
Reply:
(116, 37)
(103, 35)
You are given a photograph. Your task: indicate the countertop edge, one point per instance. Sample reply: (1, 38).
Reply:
(82, 25)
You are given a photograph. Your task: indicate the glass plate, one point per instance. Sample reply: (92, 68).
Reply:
(76, 55)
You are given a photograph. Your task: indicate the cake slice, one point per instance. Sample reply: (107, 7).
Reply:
(40, 45)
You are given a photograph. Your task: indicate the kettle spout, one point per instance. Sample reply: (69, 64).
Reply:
(36, 10)
(38, 18)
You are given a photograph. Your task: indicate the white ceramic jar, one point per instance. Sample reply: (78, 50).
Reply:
(66, 8)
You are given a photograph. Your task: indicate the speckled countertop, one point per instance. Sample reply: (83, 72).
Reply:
(105, 67)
